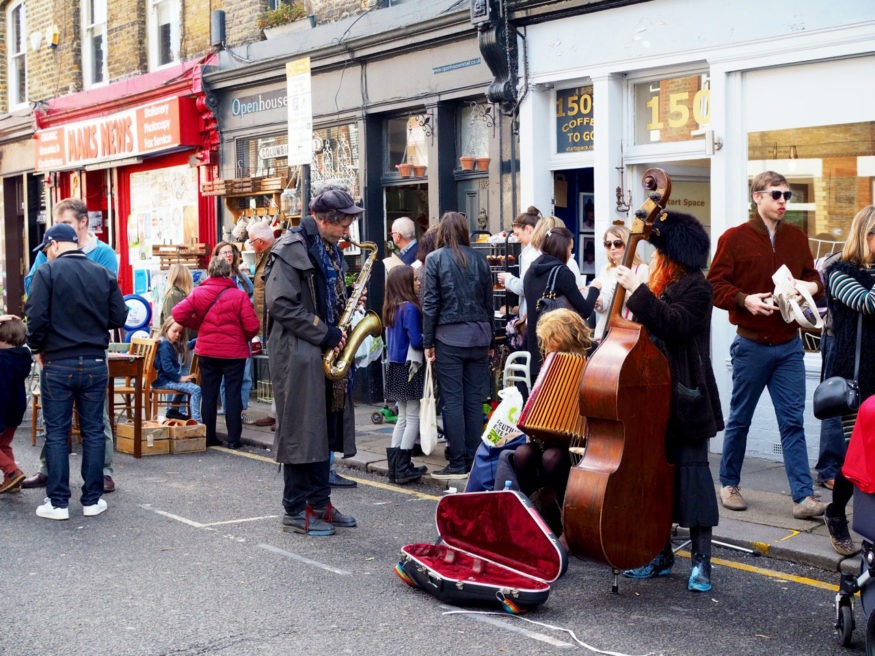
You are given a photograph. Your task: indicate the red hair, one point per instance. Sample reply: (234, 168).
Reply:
(663, 273)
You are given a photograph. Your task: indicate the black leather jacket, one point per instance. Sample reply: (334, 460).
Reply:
(454, 294)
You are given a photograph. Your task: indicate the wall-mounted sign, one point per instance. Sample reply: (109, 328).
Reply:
(137, 131)
(574, 120)
(261, 102)
(674, 109)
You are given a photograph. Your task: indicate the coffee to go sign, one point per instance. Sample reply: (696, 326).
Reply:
(137, 131)
(574, 123)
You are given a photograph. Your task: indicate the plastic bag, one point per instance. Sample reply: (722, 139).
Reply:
(371, 348)
(502, 427)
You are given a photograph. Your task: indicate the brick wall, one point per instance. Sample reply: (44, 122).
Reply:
(240, 20)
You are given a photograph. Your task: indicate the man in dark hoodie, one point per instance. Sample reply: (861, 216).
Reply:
(73, 304)
(14, 368)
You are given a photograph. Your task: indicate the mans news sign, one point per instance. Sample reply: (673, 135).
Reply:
(137, 131)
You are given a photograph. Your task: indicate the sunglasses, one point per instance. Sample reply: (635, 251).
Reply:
(617, 243)
(776, 194)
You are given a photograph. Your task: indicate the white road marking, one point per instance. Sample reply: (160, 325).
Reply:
(240, 521)
(302, 559)
(191, 522)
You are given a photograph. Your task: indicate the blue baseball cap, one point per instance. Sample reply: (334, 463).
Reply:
(58, 232)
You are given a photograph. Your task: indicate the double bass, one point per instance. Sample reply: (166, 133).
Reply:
(618, 502)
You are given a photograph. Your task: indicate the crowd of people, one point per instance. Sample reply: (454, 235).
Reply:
(438, 312)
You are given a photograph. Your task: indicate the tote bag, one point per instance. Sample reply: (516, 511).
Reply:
(428, 432)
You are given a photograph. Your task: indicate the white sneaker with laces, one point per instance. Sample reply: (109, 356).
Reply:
(94, 509)
(49, 511)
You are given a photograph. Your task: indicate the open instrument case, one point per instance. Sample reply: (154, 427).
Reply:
(493, 548)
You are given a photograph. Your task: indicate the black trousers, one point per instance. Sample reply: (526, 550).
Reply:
(212, 370)
(305, 485)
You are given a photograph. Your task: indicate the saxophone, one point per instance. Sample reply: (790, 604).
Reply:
(336, 364)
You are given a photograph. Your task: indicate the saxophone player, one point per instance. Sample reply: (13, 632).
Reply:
(306, 297)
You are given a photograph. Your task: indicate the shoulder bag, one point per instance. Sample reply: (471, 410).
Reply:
(837, 396)
(428, 432)
(549, 300)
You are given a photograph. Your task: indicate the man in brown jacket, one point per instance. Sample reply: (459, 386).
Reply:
(261, 239)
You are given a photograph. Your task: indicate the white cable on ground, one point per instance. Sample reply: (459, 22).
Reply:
(546, 626)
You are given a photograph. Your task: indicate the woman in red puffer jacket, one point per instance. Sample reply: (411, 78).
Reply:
(226, 322)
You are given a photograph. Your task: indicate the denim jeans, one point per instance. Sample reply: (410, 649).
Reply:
(245, 389)
(832, 438)
(213, 370)
(462, 375)
(194, 392)
(63, 382)
(780, 368)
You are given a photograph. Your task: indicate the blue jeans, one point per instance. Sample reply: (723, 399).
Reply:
(194, 392)
(63, 382)
(213, 370)
(462, 374)
(780, 368)
(245, 389)
(832, 438)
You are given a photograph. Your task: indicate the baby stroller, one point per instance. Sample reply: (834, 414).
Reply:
(864, 525)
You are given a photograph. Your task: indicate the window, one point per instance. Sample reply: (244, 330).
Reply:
(17, 65)
(94, 42)
(164, 21)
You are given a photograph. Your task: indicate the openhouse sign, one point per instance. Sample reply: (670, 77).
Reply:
(243, 106)
(142, 130)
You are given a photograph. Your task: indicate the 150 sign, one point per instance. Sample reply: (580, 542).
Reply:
(673, 109)
(575, 131)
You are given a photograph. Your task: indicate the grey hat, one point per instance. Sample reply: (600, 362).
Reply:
(58, 232)
(335, 199)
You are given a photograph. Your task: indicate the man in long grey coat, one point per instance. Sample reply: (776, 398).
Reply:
(305, 294)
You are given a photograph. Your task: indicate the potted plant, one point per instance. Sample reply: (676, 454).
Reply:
(285, 18)
(482, 163)
(467, 163)
(405, 169)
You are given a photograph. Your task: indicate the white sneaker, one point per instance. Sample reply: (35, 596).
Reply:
(94, 509)
(48, 511)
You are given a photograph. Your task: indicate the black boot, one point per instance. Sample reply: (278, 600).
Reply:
(404, 470)
(391, 459)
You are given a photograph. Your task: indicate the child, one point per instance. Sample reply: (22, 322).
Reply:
(405, 375)
(541, 469)
(15, 362)
(171, 350)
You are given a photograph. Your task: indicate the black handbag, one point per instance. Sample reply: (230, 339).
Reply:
(837, 396)
(549, 301)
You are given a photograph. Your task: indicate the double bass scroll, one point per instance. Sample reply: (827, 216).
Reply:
(618, 503)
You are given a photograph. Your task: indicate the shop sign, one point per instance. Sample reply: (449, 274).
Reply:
(262, 102)
(574, 120)
(673, 109)
(137, 131)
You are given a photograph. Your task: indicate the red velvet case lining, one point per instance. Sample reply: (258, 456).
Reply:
(455, 565)
(501, 527)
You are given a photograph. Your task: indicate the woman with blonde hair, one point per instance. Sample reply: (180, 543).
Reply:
(851, 299)
(179, 285)
(616, 238)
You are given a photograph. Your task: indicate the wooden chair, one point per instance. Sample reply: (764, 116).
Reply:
(156, 394)
(145, 347)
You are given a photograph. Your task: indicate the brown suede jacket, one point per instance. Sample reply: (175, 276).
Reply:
(744, 263)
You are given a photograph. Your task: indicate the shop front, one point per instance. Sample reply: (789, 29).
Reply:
(138, 159)
(23, 209)
(752, 96)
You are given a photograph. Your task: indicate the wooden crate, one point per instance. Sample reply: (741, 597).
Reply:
(187, 432)
(188, 445)
(155, 439)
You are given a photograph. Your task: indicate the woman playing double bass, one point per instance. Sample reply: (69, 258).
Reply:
(676, 310)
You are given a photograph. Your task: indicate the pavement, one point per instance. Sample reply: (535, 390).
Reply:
(767, 527)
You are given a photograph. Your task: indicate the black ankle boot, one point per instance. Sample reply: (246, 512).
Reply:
(404, 470)
(391, 459)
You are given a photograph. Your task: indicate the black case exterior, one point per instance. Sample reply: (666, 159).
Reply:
(465, 568)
